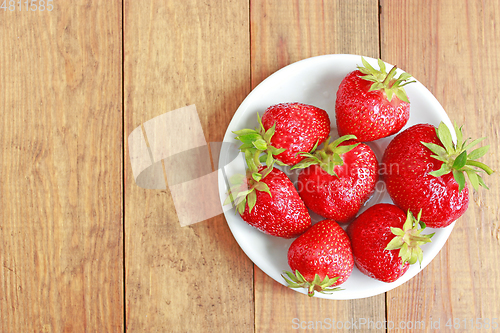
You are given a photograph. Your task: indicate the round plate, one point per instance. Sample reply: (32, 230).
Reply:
(315, 81)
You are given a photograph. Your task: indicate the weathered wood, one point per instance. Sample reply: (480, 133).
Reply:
(452, 48)
(62, 239)
(194, 278)
(61, 258)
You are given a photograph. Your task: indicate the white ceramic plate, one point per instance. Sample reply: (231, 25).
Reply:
(315, 81)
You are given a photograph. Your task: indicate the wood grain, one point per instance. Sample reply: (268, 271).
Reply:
(452, 48)
(283, 32)
(60, 181)
(194, 278)
(63, 236)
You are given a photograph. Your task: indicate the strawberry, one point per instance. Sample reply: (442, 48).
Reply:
(372, 104)
(321, 258)
(424, 170)
(285, 130)
(267, 200)
(386, 241)
(337, 180)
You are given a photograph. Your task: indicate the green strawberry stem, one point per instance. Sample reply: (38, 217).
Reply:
(258, 141)
(324, 286)
(409, 239)
(243, 188)
(328, 157)
(386, 81)
(456, 159)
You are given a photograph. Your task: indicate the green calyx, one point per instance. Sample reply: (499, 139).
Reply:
(243, 189)
(409, 239)
(456, 159)
(386, 81)
(258, 141)
(328, 157)
(323, 286)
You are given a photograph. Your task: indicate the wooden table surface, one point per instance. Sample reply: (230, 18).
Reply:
(84, 249)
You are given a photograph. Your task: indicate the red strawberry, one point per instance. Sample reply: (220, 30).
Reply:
(372, 104)
(268, 201)
(287, 129)
(321, 258)
(386, 241)
(338, 179)
(424, 170)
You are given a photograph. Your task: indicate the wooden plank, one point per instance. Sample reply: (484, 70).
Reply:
(281, 33)
(454, 52)
(194, 278)
(61, 260)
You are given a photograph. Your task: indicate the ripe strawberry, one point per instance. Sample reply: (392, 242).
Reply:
(321, 258)
(268, 201)
(386, 241)
(287, 129)
(337, 180)
(372, 104)
(425, 171)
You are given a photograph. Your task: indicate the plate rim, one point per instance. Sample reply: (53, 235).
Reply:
(444, 232)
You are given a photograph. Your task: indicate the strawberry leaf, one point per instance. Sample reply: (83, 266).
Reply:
(338, 141)
(481, 182)
(263, 188)
(441, 171)
(385, 81)
(228, 200)
(436, 149)
(389, 94)
(249, 158)
(460, 179)
(305, 163)
(481, 166)
(397, 231)
(274, 150)
(473, 177)
(256, 176)
(444, 135)
(252, 200)
(269, 133)
(367, 66)
(478, 153)
(337, 160)
(401, 94)
(381, 65)
(241, 206)
(473, 143)
(456, 159)
(404, 77)
(329, 156)
(395, 243)
(245, 131)
(297, 280)
(329, 168)
(260, 144)
(409, 239)
(269, 159)
(249, 138)
(458, 131)
(460, 160)
(260, 122)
